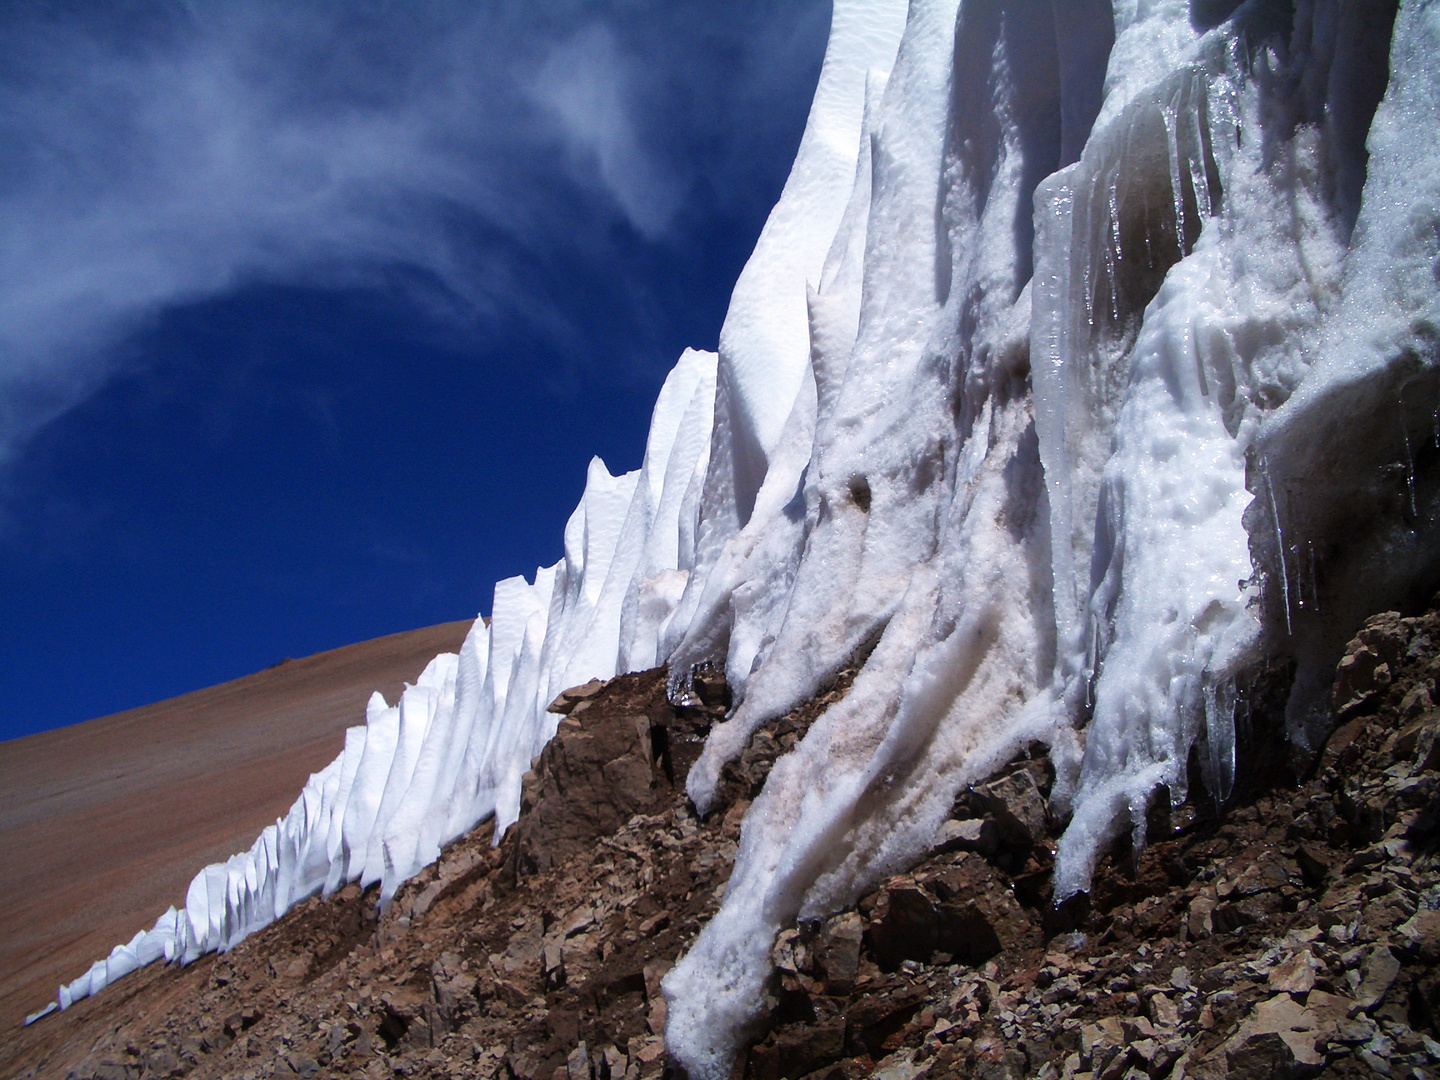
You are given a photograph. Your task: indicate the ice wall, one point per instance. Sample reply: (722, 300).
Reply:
(1140, 401)
(1087, 366)
(452, 751)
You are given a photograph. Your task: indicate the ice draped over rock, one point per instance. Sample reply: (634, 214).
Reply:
(1087, 367)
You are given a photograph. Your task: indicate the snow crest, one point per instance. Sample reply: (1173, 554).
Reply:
(1086, 369)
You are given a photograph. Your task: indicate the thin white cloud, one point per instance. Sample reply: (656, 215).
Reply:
(585, 83)
(160, 162)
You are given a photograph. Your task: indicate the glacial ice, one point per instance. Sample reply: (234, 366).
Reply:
(1086, 369)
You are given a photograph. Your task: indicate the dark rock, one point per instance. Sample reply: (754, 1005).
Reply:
(598, 771)
(966, 933)
(1018, 808)
(904, 925)
(837, 951)
(1268, 1056)
(874, 1018)
(798, 1049)
(1314, 866)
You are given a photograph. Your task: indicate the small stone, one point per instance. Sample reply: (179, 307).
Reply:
(1295, 975)
(1313, 864)
(837, 951)
(577, 1066)
(1269, 1055)
(580, 920)
(1164, 1012)
(554, 966)
(1018, 807)
(904, 925)
(1377, 975)
(789, 953)
(1107, 1031)
(1137, 1027)
(1421, 933)
(1199, 921)
(972, 834)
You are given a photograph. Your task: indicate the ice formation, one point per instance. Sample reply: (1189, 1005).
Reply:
(451, 753)
(1088, 367)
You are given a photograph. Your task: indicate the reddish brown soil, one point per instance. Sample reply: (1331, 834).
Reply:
(103, 824)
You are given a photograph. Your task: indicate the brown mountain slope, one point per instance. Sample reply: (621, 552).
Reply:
(103, 824)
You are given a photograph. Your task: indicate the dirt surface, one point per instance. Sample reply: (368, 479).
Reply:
(103, 824)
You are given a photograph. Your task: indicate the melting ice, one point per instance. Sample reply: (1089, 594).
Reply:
(1087, 367)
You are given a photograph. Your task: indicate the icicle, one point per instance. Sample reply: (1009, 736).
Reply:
(1300, 575)
(1279, 542)
(1114, 252)
(1092, 661)
(1115, 212)
(1409, 457)
(1112, 277)
(1199, 179)
(1169, 116)
(1090, 262)
(1149, 248)
(1314, 588)
(1220, 735)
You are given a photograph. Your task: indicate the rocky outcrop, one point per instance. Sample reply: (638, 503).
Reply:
(1293, 932)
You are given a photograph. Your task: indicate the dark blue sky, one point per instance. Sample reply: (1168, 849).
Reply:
(312, 315)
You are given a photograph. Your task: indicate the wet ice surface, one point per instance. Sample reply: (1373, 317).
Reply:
(1086, 364)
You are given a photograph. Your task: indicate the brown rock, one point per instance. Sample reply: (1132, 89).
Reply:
(1421, 934)
(966, 932)
(554, 959)
(598, 772)
(837, 951)
(1358, 679)
(568, 699)
(1163, 1011)
(1313, 864)
(1018, 808)
(1377, 975)
(1200, 919)
(799, 1049)
(1268, 1055)
(1295, 975)
(1278, 1040)
(875, 1017)
(972, 834)
(904, 924)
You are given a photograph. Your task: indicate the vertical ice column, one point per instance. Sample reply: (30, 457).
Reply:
(930, 532)
(1351, 524)
(762, 382)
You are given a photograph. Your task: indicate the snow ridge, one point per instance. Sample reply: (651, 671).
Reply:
(1086, 367)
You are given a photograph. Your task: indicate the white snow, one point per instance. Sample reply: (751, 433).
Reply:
(451, 752)
(1086, 367)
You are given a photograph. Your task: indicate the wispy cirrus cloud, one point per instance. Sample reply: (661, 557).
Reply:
(161, 155)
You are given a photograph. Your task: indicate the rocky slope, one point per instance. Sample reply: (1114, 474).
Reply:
(1294, 931)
